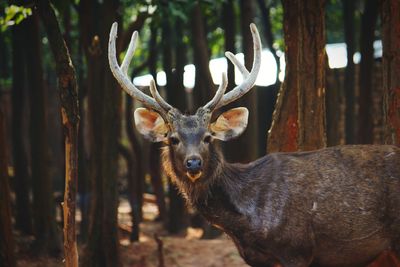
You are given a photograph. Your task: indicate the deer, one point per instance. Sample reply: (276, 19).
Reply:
(337, 206)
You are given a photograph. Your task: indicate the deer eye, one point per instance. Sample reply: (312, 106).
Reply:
(207, 139)
(174, 141)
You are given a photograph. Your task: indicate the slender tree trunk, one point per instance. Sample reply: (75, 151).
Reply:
(7, 254)
(47, 237)
(135, 184)
(70, 120)
(368, 21)
(391, 69)
(269, 37)
(247, 143)
(104, 101)
(349, 80)
(204, 88)
(130, 162)
(176, 97)
(299, 117)
(154, 161)
(228, 20)
(23, 214)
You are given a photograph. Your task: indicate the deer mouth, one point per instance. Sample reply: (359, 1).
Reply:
(193, 176)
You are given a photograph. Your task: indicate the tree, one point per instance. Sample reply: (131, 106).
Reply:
(349, 80)
(70, 120)
(204, 88)
(47, 236)
(7, 254)
(23, 214)
(176, 96)
(391, 69)
(368, 21)
(104, 100)
(299, 117)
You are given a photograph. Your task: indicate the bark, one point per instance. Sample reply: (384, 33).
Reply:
(7, 254)
(70, 120)
(136, 184)
(155, 164)
(333, 103)
(204, 88)
(130, 162)
(47, 237)
(104, 99)
(176, 97)
(368, 21)
(349, 80)
(299, 117)
(391, 69)
(247, 143)
(228, 20)
(23, 213)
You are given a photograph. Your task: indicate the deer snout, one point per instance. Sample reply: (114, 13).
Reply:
(193, 164)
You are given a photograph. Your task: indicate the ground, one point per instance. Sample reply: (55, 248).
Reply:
(185, 250)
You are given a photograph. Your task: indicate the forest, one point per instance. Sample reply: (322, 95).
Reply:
(79, 186)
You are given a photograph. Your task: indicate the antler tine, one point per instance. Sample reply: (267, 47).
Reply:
(248, 78)
(120, 73)
(219, 94)
(154, 92)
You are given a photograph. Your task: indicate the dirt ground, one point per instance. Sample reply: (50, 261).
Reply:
(186, 250)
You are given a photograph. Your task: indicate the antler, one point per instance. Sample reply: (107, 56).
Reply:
(248, 78)
(121, 75)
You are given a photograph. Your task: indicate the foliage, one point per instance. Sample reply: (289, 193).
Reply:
(14, 15)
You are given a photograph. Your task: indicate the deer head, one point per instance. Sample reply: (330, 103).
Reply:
(188, 137)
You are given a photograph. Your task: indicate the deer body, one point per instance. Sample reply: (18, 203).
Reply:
(334, 207)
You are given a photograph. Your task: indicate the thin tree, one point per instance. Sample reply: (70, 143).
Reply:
(299, 117)
(7, 254)
(46, 233)
(176, 96)
(23, 213)
(204, 85)
(391, 69)
(104, 101)
(368, 23)
(70, 120)
(349, 79)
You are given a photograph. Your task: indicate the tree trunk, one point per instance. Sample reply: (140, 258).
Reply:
(247, 143)
(299, 117)
(228, 20)
(70, 120)
(269, 37)
(349, 80)
(130, 162)
(391, 69)
(204, 88)
(104, 101)
(155, 148)
(7, 254)
(47, 237)
(23, 214)
(368, 21)
(136, 183)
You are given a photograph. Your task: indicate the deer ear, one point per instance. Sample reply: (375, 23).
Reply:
(150, 124)
(230, 124)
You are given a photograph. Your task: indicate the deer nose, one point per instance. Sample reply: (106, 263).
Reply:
(193, 164)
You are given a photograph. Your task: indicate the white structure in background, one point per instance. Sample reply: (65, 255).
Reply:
(337, 58)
